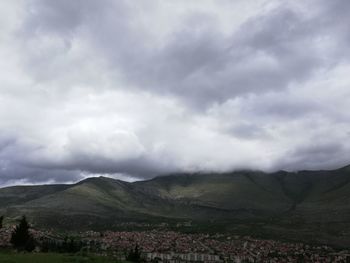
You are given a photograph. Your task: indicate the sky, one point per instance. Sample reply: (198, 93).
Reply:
(137, 89)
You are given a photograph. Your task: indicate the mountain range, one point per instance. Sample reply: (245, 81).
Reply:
(307, 205)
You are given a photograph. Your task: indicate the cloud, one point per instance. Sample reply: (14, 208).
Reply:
(324, 155)
(138, 89)
(195, 61)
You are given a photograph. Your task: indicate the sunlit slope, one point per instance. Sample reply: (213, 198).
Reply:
(91, 196)
(108, 198)
(241, 190)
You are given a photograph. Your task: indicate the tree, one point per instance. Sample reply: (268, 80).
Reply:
(21, 239)
(134, 255)
(1, 219)
(70, 245)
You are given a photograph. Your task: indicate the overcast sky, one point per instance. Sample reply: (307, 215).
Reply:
(135, 89)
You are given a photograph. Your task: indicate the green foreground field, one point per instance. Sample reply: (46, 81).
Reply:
(11, 257)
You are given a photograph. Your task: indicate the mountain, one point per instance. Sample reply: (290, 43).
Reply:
(306, 204)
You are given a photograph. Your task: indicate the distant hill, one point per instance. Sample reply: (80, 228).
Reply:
(306, 204)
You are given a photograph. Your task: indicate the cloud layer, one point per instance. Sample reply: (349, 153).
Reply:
(134, 89)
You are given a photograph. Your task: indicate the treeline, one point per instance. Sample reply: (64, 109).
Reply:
(23, 240)
(70, 245)
(67, 245)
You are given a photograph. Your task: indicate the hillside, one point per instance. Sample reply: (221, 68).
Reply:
(302, 202)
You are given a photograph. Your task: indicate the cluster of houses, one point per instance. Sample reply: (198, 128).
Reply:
(5, 236)
(174, 247)
(172, 257)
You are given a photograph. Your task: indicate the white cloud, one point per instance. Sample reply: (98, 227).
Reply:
(140, 89)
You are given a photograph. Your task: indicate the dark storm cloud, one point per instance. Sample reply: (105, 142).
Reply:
(18, 174)
(14, 166)
(141, 167)
(202, 66)
(247, 131)
(17, 164)
(5, 142)
(323, 155)
(66, 17)
(197, 62)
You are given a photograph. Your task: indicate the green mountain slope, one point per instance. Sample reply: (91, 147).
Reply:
(223, 191)
(288, 200)
(20, 194)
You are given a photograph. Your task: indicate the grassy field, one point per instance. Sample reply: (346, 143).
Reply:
(11, 257)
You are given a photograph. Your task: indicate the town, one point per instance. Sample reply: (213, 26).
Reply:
(173, 247)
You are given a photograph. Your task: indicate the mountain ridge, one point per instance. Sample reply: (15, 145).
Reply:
(304, 200)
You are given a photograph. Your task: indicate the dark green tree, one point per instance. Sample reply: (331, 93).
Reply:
(21, 239)
(134, 255)
(1, 219)
(70, 245)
